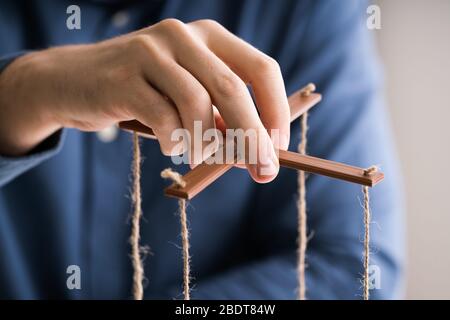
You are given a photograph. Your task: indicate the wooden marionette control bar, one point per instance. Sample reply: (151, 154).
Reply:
(329, 168)
(300, 102)
(205, 174)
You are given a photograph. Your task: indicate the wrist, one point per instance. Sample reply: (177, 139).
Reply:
(26, 119)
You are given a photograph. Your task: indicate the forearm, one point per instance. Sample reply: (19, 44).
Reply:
(24, 121)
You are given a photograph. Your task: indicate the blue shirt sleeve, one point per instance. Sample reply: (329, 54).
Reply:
(321, 41)
(336, 51)
(11, 167)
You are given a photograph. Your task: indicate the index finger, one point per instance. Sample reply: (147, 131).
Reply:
(255, 68)
(230, 95)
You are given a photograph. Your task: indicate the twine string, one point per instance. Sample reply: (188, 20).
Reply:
(138, 268)
(367, 217)
(137, 261)
(178, 180)
(301, 203)
(301, 206)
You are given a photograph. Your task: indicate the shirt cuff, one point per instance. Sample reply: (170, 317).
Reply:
(11, 167)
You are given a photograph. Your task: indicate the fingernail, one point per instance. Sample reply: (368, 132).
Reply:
(270, 170)
(284, 141)
(264, 173)
(270, 167)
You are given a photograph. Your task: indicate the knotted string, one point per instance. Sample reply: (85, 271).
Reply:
(138, 274)
(367, 217)
(178, 180)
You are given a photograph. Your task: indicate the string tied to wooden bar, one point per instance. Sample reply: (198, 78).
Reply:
(136, 249)
(371, 177)
(367, 217)
(301, 203)
(178, 180)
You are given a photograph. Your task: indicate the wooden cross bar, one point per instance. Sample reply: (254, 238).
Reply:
(300, 102)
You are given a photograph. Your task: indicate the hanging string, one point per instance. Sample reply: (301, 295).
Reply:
(301, 206)
(138, 274)
(138, 268)
(301, 203)
(367, 217)
(178, 180)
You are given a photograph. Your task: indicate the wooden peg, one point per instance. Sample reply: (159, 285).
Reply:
(308, 89)
(205, 174)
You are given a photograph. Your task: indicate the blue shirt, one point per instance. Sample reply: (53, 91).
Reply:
(68, 202)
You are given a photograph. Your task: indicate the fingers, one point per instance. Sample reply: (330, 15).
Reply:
(158, 113)
(255, 68)
(230, 95)
(190, 65)
(194, 106)
(190, 98)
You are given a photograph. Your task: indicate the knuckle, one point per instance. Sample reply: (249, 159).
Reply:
(197, 100)
(267, 65)
(229, 85)
(206, 28)
(172, 25)
(207, 23)
(140, 43)
(143, 49)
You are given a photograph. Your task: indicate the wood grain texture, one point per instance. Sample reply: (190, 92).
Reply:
(328, 168)
(197, 180)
